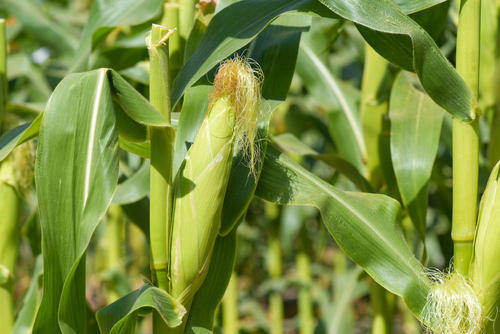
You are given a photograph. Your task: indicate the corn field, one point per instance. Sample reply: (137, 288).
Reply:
(249, 166)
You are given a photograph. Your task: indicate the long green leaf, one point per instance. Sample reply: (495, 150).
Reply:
(26, 316)
(364, 225)
(121, 316)
(106, 14)
(290, 144)
(415, 129)
(76, 175)
(134, 188)
(18, 135)
(135, 113)
(400, 39)
(326, 89)
(225, 35)
(136, 106)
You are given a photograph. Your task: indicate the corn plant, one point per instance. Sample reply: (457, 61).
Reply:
(166, 114)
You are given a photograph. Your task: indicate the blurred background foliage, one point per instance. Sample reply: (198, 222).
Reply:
(290, 275)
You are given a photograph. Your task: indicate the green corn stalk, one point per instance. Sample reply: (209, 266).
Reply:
(178, 14)
(466, 139)
(3, 73)
(161, 162)
(161, 155)
(9, 242)
(9, 207)
(201, 183)
(115, 242)
(373, 108)
(275, 268)
(380, 309)
(489, 73)
(276, 312)
(306, 317)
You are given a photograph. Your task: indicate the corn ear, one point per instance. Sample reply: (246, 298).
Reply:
(201, 183)
(486, 266)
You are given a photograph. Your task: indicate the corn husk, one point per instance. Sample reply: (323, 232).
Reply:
(485, 270)
(200, 186)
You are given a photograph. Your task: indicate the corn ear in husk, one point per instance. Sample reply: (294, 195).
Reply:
(200, 186)
(485, 270)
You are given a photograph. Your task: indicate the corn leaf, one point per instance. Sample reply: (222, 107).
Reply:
(138, 213)
(364, 225)
(415, 129)
(343, 114)
(401, 40)
(121, 316)
(19, 135)
(106, 14)
(136, 106)
(76, 175)
(225, 35)
(290, 144)
(27, 312)
(142, 149)
(133, 112)
(134, 188)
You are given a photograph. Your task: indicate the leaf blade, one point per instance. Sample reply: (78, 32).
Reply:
(78, 130)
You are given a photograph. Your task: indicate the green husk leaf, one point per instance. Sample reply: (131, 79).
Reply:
(485, 266)
(196, 220)
(209, 295)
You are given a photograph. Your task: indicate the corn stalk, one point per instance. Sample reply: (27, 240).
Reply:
(161, 163)
(9, 207)
(466, 139)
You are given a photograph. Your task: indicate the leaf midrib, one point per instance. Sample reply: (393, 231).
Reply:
(350, 209)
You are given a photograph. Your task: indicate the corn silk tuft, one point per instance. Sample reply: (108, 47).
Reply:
(452, 305)
(240, 81)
